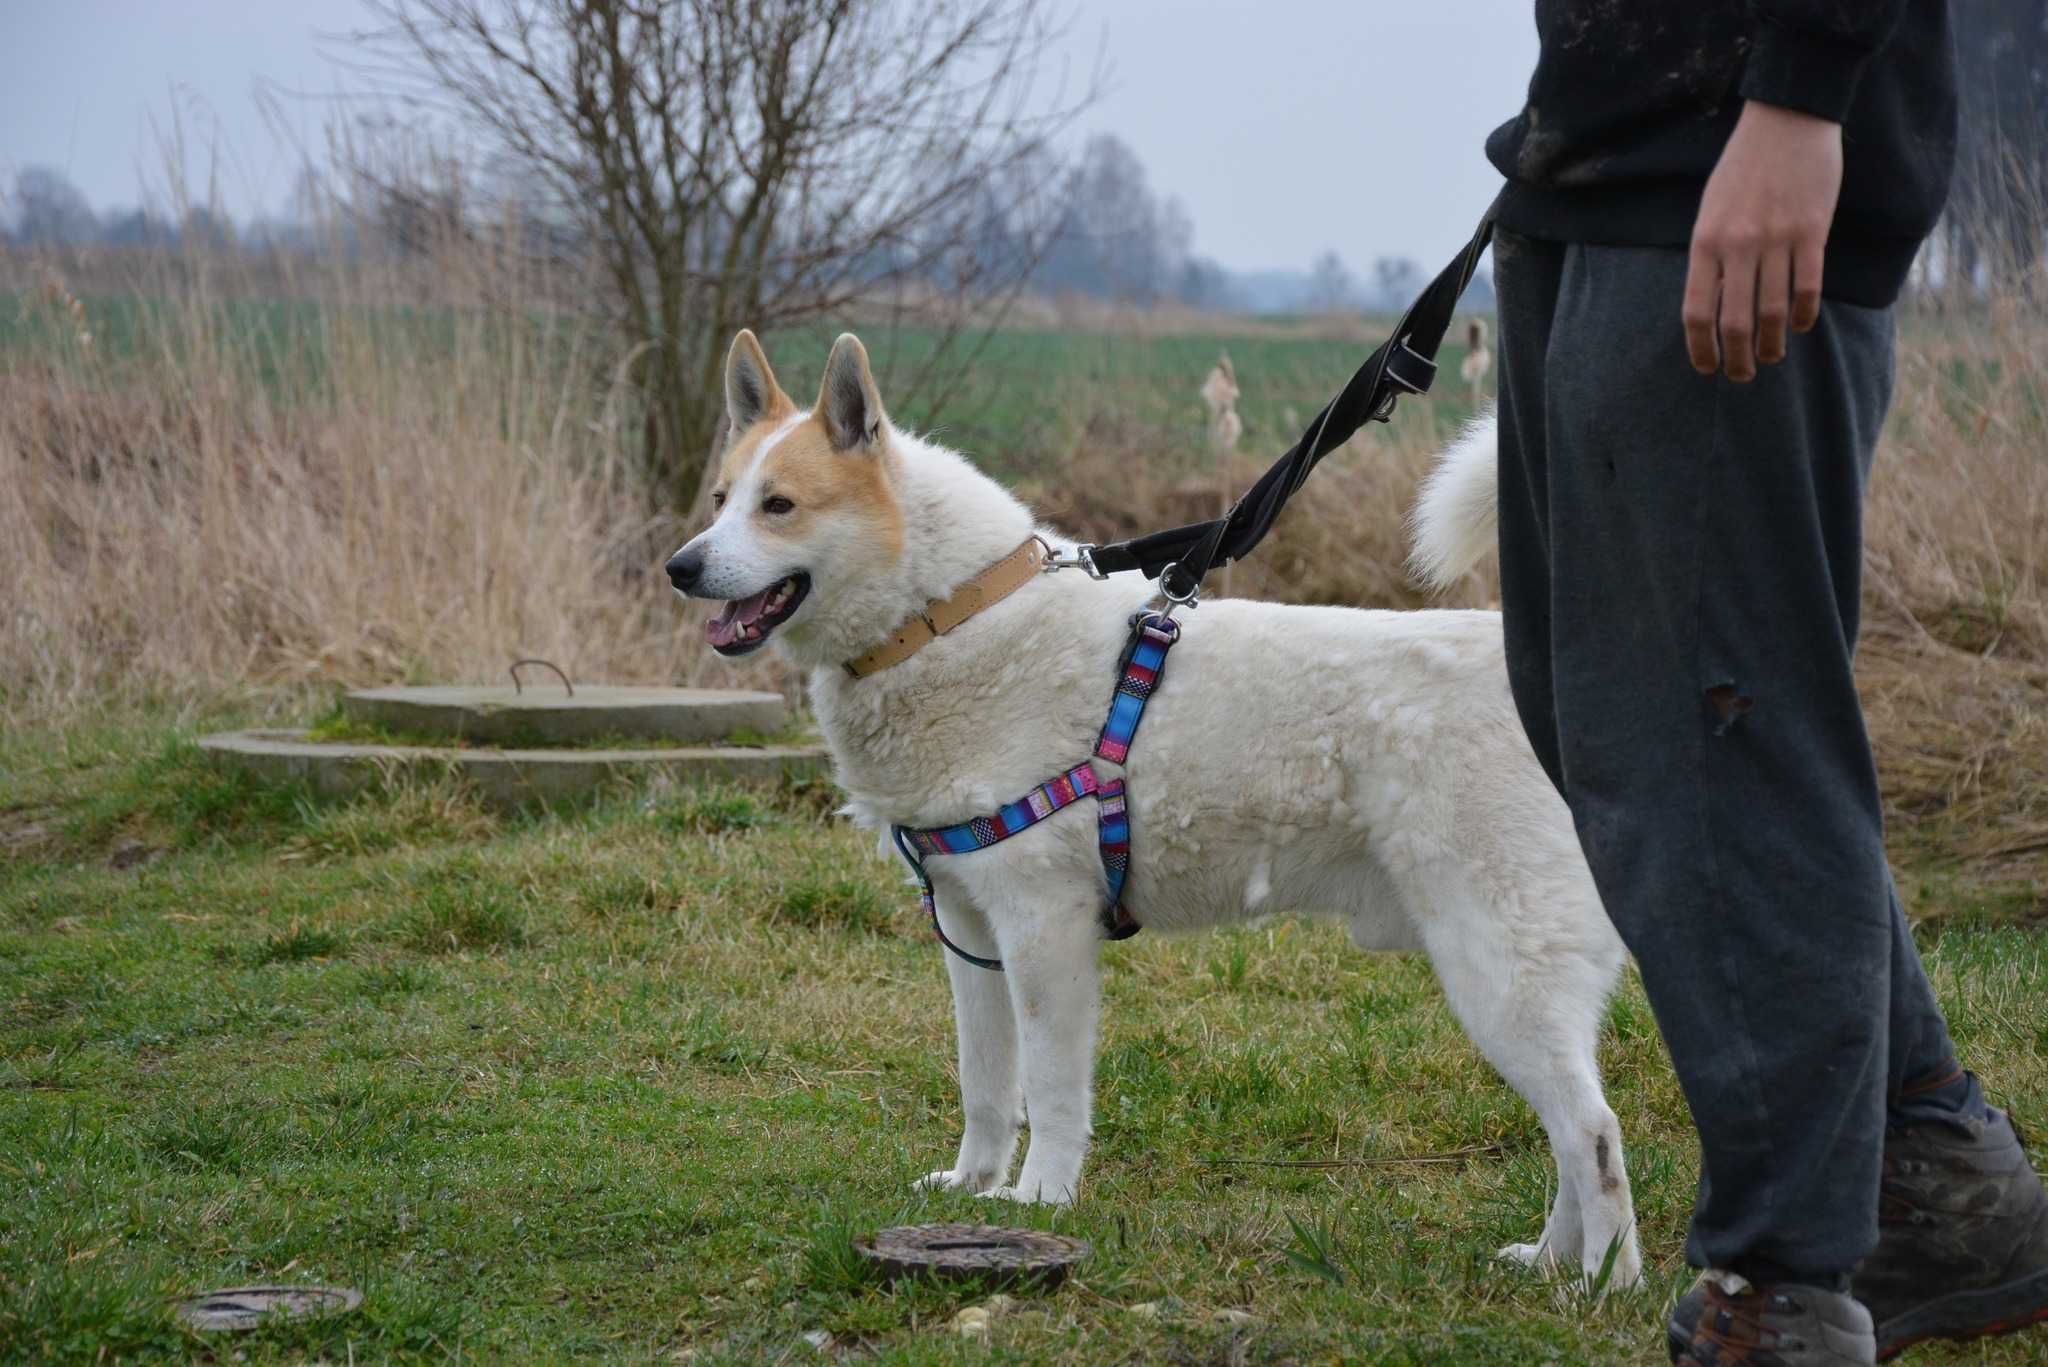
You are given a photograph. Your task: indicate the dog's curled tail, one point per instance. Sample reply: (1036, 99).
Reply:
(1457, 515)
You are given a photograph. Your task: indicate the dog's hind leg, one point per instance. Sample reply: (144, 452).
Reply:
(989, 1093)
(1051, 941)
(1534, 1011)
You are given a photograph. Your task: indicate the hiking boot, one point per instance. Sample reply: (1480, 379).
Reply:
(1962, 1247)
(1962, 1244)
(1729, 1323)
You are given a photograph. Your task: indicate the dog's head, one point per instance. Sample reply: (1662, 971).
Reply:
(803, 508)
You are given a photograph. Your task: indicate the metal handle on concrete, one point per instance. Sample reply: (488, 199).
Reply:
(545, 664)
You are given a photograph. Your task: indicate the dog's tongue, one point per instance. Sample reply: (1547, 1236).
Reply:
(724, 629)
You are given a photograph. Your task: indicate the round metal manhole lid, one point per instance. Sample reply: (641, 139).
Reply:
(245, 1307)
(987, 1253)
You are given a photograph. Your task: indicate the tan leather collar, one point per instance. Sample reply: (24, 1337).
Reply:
(941, 615)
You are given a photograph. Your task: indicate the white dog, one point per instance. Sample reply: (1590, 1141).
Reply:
(1363, 765)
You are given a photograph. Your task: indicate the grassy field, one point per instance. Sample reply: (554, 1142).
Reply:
(626, 1079)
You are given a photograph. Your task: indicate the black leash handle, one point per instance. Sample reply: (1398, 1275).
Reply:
(1403, 364)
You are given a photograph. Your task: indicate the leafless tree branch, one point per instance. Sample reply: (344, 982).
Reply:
(759, 163)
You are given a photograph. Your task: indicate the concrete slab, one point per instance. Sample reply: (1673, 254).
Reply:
(505, 777)
(496, 714)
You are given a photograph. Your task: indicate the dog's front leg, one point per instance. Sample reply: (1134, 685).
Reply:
(988, 1058)
(1051, 958)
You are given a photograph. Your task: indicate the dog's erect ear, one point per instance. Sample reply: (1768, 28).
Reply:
(751, 393)
(849, 405)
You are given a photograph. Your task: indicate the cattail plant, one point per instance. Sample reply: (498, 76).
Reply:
(1478, 360)
(1219, 392)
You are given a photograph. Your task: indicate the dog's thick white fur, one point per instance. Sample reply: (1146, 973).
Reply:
(1366, 766)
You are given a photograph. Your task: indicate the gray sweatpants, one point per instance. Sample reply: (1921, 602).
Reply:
(1680, 563)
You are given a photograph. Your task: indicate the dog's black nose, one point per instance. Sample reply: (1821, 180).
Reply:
(684, 569)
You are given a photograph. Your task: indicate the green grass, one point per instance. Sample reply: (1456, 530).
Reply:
(1029, 388)
(627, 1079)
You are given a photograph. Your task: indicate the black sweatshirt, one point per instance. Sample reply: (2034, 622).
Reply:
(1633, 100)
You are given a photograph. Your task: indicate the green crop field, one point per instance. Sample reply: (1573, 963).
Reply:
(1025, 384)
(1007, 398)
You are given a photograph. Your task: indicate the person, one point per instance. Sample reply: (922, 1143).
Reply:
(1710, 210)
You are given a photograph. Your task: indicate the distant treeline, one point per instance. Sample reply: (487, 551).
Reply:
(1114, 238)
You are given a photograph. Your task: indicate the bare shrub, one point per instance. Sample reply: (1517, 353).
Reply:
(732, 163)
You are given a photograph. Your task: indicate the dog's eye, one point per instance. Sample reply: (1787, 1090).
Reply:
(777, 505)
(717, 500)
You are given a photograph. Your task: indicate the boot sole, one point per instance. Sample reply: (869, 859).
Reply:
(1977, 1314)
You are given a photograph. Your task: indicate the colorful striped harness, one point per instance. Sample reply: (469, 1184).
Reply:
(1138, 674)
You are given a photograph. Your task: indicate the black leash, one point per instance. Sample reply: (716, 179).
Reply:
(1403, 364)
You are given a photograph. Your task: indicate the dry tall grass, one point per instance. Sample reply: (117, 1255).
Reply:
(1954, 664)
(344, 499)
(400, 477)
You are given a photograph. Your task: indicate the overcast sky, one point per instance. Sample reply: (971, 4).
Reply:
(1286, 126)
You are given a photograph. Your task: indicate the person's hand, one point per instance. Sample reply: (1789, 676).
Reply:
(1759, 238)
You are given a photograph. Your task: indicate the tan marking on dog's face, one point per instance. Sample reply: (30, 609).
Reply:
(783, 458)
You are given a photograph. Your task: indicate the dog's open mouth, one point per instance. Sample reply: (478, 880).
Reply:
(746, 623)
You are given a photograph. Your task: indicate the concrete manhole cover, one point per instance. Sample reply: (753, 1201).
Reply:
(987, 1253)
(548, 715)
(245, 1307)
(535, 742)
(506, 777)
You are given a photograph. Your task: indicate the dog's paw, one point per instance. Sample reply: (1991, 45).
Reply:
(1037, 1195)
(1528, 1255)
(953, 1179)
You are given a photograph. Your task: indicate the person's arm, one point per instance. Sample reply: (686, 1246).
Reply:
(1759, 241)
(1809, 55)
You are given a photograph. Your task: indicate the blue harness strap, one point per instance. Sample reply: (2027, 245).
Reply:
(1137, 675)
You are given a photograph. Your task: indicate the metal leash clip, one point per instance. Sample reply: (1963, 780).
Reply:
(1083, 558)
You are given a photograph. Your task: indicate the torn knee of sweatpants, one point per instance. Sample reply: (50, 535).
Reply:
(1729, 705)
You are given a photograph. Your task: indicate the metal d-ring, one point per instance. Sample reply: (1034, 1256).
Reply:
(544, 664)
(1190, 600)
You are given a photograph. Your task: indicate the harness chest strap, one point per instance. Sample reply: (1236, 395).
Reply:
(1144, 659)
(941, 615)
